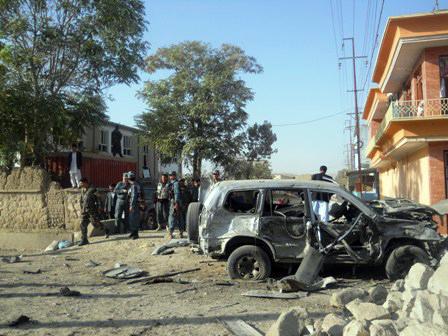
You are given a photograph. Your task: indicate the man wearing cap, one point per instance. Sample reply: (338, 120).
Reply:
(121, 206)
(162, 202)
(175, 216)
(134, 210)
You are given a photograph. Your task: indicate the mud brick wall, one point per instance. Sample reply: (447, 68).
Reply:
(30, 202)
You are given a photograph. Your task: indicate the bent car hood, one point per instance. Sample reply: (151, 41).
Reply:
(406, 209)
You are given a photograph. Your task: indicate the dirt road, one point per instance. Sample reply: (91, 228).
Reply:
(112, 307)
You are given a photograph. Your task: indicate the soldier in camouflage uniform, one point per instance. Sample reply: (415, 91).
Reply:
(162, 202)
(89, 210)
(175, 216)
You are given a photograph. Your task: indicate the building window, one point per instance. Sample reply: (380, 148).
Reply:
(103, 146)
(443, 64)
(127, 145)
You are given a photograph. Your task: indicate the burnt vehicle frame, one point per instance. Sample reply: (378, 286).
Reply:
(253, 239)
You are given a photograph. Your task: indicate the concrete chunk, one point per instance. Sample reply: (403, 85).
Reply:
(418, 277)
(290, 323)
(398, 286)
(394, 302)
(425, 305)
(383, 328)
(366, 311)
(356, 328)
(333, 325)
(378, 294)
(424, 329)
(340, 299)
(438, 282)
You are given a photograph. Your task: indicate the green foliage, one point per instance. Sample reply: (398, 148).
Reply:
(260, 139)
(56, 58)
(198, 110)
(246, 170)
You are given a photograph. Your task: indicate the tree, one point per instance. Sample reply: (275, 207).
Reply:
(198, 111)
(260, 139)
(58, 56)
(245, 170)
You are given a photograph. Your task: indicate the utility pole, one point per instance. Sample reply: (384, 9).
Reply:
(357, 121)
(349, 127)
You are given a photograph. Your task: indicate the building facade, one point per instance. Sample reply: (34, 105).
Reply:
(101, 166)
(407, 113)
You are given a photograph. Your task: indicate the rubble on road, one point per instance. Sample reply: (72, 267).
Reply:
(124, 272)
(65, 291)
(22, 319)
(417, 305)
(170, 245)
(13, 259)
(274, 295)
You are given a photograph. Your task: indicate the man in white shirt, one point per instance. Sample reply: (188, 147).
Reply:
(74, 165)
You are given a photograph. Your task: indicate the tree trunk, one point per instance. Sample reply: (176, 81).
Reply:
(197, 163)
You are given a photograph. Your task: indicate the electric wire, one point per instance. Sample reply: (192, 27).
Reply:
(312, 120)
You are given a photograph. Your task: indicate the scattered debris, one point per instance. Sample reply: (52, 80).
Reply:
(186, 290)
(342, 298)
(171, 244)
(209, 261)
(224, 283)
(274, 295)
(166, 275)
(378, 294)
(119, 264)
(65, 291)
(22, 319)
(196, 250)
(333, 324)
(29, 271)
(62, 244)
(71, 259)
(92, 263)
(167, 252)
(13, 259)
(67, 265)
(124, 272)
(240, 328)
(290, 284)
(53, 246)
(224, 306)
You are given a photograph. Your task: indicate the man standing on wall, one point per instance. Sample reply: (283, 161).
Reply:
(116, 141)
(321, 199)
(74, 166)
(122, 207)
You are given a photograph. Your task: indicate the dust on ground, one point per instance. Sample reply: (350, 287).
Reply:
(113, 307)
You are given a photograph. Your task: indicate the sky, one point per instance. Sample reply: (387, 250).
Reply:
(298, 44)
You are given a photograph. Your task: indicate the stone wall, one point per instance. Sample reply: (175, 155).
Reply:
(30, 202)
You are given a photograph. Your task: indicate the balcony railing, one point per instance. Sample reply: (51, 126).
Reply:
(411, 110)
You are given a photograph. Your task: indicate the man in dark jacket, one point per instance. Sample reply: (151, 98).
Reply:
(321, 200)
(110, 201)
(74, 166)
(89, 210)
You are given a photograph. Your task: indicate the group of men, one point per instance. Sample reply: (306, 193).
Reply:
(122, 203)
(124, 200)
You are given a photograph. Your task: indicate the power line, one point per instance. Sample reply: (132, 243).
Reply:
(312, 120)
(374, 44)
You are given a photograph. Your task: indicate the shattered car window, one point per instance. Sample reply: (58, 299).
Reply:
(289, 203)
(242, 201)
(341, 210)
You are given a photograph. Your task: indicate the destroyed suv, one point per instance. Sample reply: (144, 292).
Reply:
(256, 223)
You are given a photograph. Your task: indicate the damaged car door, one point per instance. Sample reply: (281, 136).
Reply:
(283, 222)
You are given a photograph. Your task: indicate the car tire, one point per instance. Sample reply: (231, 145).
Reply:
(192, 221)
(401, 260)
(249, 262)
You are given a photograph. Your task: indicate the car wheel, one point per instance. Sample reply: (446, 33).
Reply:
(192, 221)
(401, 260)
(249, 262)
